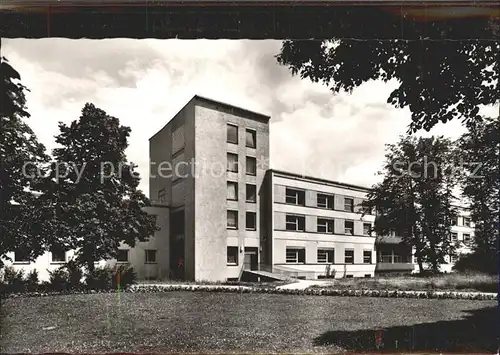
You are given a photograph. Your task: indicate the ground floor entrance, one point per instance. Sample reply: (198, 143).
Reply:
(251, 260)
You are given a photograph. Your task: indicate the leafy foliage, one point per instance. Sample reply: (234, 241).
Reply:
(127, 276)
(438, 80)
(108, 278)
(32, 282)
(13, 280)
(414, 198)
(18, 145)
(477, 261)
(91, 202)
(98, 279)
(75, 274)
(68, 277)
(480, 149)
(59, 280)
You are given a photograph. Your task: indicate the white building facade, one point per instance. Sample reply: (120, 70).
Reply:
(246, 216)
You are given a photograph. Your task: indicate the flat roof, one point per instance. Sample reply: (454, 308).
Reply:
(202, 98)
(318, 180)
(215, 102)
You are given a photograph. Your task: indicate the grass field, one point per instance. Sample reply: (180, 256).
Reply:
(455, 282)
(180, 322)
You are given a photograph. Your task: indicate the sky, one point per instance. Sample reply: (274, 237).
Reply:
(144, 83)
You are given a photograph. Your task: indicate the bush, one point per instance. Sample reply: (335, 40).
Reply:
(32, 283)
(75, 275)
(127, 276)
(109, 278)
(98, 279)
(59, 280)
(476, 262)
(13, 280)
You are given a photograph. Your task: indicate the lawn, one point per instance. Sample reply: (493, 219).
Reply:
(446, 282)
(201, 322)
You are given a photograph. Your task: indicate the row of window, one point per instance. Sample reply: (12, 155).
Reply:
(60, 256)
(250, 220)
(250, 192)
(298, 256)
(297, 223)
(298, 197)
(393, 257)
(250, 137)
(250, 166)
(326, 255)
(466, 237)
(466, 220)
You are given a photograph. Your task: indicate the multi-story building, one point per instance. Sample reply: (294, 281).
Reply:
(221, 210)
(316, 227)
(207, 166)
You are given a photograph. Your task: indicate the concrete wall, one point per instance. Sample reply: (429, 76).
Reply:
(160, 243)
(212, 235)
(171, 154)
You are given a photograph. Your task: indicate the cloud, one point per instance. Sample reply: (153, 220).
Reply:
(145, 82)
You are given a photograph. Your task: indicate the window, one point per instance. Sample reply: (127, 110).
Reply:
(466, 222)
(349, 276)
(232, 190)
(21, 256)
(232, 134)
(58, 254)
(251, 166)
(392, 232)
(385, 257)
(251, 193)
(324, 201)
(454, 237)
(150, 256)
(325, 225)
(232, 219)
(251, 138)
(348, 204)
(295, 197)
(367, 227)
(349, 256)
(326, 256)
(454, 221)
(232, 162)
(367, 256)
(122, 256)
(295, 256)
(349, 227)
(400, 258)
(467, 239)
(453, 258)
(251, 221)
(232, 255)
(295, 223)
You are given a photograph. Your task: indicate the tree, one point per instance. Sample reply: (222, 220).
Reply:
(91, 201)
(18, 146)
(480, 150)
(414, 197)
(439, 80)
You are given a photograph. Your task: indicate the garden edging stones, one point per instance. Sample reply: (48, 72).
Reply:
(315, 291)
(158, 288)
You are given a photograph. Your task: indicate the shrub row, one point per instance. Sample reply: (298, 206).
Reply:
(315, 292)
(69, 278)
